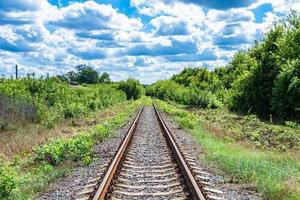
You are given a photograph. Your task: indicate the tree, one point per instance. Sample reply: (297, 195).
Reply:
(286, 92)
(72, 76)
(104, 78)
(254, 91)
(132, 88)
(86, 74)
(63, 78)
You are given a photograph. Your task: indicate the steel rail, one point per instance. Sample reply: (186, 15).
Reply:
(196, 193)
(107, 180)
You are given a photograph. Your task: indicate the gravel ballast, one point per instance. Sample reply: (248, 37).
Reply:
(219, 179)
(69, 186)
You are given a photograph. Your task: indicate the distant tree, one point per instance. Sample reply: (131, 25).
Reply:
(104, 78)
(132, 88)
(63, 78)
(72, 76)
(86, 74)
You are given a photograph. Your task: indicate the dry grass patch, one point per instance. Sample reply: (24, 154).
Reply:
(21, 137)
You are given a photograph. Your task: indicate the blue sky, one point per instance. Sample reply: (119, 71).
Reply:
(145, 39)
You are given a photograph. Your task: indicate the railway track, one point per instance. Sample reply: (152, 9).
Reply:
(150, 165)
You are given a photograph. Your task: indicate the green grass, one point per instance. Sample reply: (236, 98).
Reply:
(283, 137)
(27, 176)
(276, 175)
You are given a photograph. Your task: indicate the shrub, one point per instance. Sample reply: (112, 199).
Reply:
(52, 153)
(188, 122)
(59, 150)
(75, 110)
(7, 181)
(100, 132)
(49, 101)
(191, 96)
(202, 99)
(54, 115)
(79, 147)
(132, 88)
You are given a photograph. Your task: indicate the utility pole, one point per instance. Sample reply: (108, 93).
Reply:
(16, 71)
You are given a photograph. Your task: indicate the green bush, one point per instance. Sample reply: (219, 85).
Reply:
(100, 132)
(7, 181)
(286, 92)
(52, 153)
(191, 96)
(203, 99)
(49, 101)
(132, 88)
(188, 122)
(54, 115)
(79, 147)
(58, 151)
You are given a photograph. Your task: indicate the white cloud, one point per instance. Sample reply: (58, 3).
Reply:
(92, 16)
(168, 25)
(283, 6)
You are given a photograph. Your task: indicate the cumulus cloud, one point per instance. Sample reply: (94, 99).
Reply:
(93, 16)
(176, 46)
(167, 25)
(21, 5)
(280, 6)
(19, 12)
(223, 5)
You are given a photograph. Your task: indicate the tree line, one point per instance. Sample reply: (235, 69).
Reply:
(263, 80)
(85, 74)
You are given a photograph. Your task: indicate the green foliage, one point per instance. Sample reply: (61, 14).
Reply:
(132, 88)
(262, 80)
(286, 92)
(47, 162)
(100, 131)
(189, 121)
(50, 101)
(7, 181)
(52, 153)
(104, 78)
(79, 148)
(251, 128)
(272, 83)
(202, 99)
(170, 90)
(60, 150)
(167, 90)
(275, 174)
(87, 160)
(85, 74)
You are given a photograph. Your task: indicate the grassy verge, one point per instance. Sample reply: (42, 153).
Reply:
(283, 137)
(276, 175)
(22, 178)
(22, 137)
